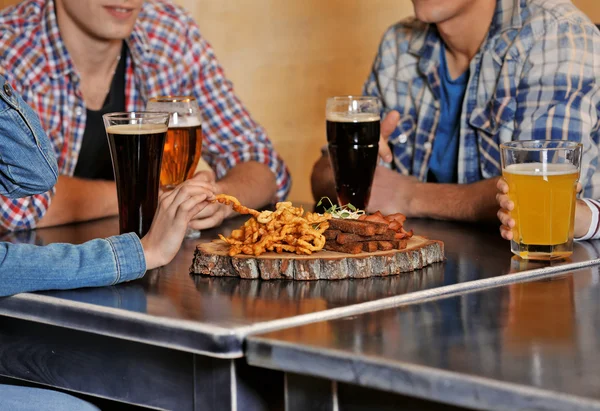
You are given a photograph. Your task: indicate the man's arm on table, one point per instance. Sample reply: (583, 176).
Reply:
(78, 199)
(393, 192)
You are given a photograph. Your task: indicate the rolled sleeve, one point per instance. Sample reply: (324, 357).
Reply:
(129, 257)
(593, 232)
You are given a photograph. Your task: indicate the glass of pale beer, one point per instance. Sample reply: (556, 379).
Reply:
(136, 143)
(183, 144)
(542, 177)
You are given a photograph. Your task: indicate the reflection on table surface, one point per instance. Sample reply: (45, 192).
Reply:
(473, 252)
(543, 334)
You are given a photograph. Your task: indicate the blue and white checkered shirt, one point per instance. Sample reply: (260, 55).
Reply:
(534, 77)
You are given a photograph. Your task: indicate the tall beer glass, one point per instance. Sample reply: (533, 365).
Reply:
(136, 143)
(542, 177)
(353, 142)
(183, 145)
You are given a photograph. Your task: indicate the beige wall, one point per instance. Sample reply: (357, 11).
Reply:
(286, 57)
(591, 8)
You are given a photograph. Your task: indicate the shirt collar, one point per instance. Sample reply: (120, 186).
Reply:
(59, 60)
(138, 43)
(425, 43)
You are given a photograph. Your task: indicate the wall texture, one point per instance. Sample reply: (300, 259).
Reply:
(286, 57)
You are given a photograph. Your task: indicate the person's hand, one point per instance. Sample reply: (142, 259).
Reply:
(582, 213)
(388, 125)
(213, 214)
(506, 206)
(175, 210)
(205, 176)
(392, 192)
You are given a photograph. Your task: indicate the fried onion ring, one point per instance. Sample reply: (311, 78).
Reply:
(287, 229)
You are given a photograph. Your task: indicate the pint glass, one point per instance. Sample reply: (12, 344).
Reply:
(136, 143)
(353, 143)
(183, 144)
(542, 177)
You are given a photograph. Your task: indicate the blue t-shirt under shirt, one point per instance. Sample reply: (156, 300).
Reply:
(444, 157)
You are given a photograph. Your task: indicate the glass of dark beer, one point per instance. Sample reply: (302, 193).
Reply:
(183, 145)
(353, 142)
(136, 143)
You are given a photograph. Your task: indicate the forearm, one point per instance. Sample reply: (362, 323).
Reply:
(251, 182)
(462, 202)
(77, 199)
(322, 181)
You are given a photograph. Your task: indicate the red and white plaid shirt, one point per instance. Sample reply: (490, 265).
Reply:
(167, 56)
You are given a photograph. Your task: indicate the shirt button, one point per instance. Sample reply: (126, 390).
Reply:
(7, 90)
(427, 145)
(78, 111)
(403, 138)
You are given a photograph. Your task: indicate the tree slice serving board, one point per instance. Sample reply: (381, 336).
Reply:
(212, 259)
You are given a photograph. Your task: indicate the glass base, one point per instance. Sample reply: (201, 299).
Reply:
(192, 234)
(542, 252)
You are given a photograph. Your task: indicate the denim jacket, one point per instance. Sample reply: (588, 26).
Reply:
(28, 166)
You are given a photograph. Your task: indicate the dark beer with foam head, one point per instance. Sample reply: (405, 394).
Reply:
(353, 142)
(136, 151)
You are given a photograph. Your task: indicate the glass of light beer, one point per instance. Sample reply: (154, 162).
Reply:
(183, 144)
(136, 143)
(542, 176)
(353, 143)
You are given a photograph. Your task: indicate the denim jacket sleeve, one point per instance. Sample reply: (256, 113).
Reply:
(27, 160)
(27, 267)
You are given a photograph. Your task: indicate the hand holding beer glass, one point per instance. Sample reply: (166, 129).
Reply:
(542, 177)
(353, 125)
(136, 143)
(183, 144)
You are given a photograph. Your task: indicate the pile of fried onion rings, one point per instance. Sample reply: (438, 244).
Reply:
(287, 228)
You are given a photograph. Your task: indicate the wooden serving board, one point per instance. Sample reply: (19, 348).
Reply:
(213, 259)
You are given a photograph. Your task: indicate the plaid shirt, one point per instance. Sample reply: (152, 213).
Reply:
(167, 56)
(534, 77)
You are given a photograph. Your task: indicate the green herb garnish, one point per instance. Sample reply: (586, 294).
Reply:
(347, 211)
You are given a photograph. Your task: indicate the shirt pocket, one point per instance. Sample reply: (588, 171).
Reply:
(496, 116)
(404, 132)
(402, 142)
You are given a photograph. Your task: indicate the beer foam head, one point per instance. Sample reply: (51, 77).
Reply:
(131, 129)
(539, 169)
(184, 121)
(352, 117)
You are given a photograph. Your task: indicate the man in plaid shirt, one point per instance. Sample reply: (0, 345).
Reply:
(73, 60)
(463, 77)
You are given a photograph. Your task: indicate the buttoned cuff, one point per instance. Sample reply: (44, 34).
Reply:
(129, 257)
(593, 232)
